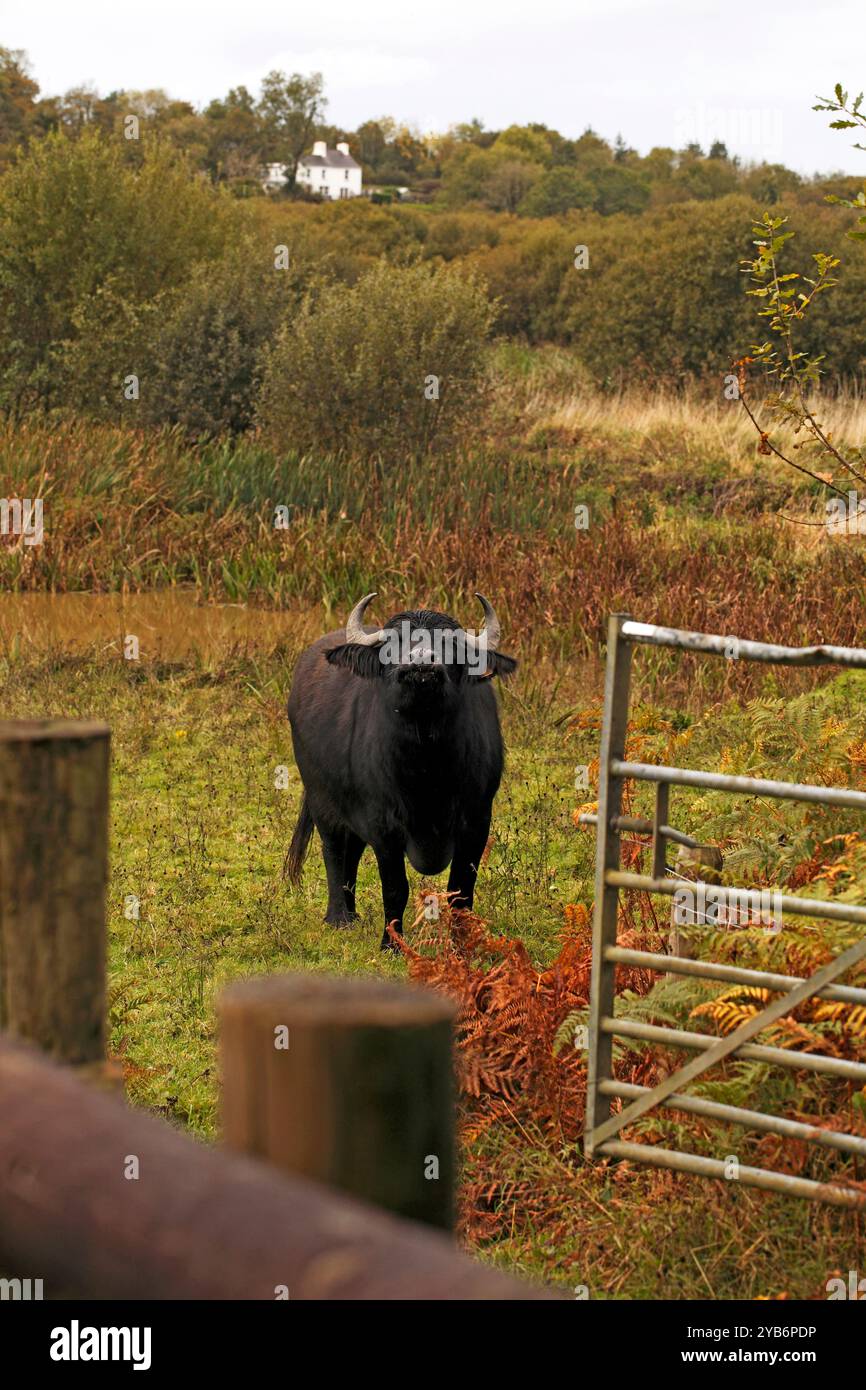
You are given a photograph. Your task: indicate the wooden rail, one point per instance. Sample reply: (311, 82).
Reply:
(102, 1201)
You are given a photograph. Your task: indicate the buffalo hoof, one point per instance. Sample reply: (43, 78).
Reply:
(342, 919)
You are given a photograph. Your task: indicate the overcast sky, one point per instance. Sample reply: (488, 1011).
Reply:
(660, 71)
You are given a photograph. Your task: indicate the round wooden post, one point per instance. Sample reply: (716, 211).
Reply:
(53, 870)
(345, 1080)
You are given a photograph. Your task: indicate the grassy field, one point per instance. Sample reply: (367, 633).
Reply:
(147, 534)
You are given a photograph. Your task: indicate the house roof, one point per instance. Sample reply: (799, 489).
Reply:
(332, 160)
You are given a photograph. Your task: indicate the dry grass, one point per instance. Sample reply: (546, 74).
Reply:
(697, 427)
(674, 535)
(687, 525)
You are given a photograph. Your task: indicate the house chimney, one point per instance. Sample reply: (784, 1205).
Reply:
(343, 147)
(320, 149)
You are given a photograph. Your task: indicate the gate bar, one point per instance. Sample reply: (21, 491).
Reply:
(736, 974)
(755, 786)
(650, 635)
(754, 897)
(754, 1052)
(642, 827)
(749, 1119)
(753, 1177)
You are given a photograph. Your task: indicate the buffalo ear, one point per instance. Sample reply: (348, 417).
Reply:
(498, 664)
(360, 660)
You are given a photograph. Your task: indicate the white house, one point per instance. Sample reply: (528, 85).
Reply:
(329, 173)
(275, 176)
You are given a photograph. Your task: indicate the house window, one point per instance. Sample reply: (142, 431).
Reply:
(344, 192)
(346, 174)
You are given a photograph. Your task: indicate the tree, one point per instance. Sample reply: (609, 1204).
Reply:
(768, 183)
(623, 153)
(289, 108)
(235, 138)
(371, 144)
(77, 108)
(530, 143)
(508, 183)
(619, 189)
(705, 178)
(18, 93)
(591, 152)
(469, 132)
(558, 190)
(464, 174)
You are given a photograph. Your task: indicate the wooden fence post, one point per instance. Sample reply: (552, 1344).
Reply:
(53, 870)
(345, 1080)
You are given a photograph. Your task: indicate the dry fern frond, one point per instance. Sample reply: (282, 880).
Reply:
(733, 1008)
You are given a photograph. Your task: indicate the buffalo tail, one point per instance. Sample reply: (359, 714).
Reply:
(299, 845)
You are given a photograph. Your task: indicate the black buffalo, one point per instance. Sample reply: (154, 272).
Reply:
(397, 740)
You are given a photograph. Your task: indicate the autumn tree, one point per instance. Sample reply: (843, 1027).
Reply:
(234, 136)
(77, 219)
(18, 93)
(290, 108)
(509, 182)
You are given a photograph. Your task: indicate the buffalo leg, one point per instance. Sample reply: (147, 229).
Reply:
(395, 890)
(464, 866)
(334, 852)
(354, 848)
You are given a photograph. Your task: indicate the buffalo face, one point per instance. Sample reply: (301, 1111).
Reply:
(423, 660)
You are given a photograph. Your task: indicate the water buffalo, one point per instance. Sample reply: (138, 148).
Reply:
(397, 740)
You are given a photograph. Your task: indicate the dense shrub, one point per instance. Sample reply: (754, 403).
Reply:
(348, 237)
(663, 296)
(526, 269)
(194, 349)
(76, 216)
(392, 365)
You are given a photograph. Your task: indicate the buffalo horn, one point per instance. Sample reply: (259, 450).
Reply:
(354, 624)
(491, 631)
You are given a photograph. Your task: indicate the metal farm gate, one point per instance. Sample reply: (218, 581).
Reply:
(602, 1123)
